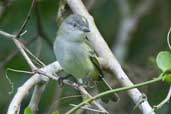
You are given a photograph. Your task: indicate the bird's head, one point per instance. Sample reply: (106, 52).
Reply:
(75, 27)
(77, 22)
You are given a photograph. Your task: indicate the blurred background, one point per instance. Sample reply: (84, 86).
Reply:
(135, 30)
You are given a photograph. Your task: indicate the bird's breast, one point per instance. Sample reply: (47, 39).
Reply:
(74, 58)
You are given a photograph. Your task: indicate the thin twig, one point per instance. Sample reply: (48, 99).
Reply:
(166, 100)
(26, 19)
(86, 107)
(15, 52)
(57, 98)
(168, 38)
(84, 92)
(6, 34)
(28, 60)
(19, 71)
(20, 48)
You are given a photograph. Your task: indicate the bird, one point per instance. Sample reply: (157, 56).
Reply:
(76, 56)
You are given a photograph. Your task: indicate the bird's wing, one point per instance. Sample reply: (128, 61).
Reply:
(93, 57)
(102, 85)
(89, 47)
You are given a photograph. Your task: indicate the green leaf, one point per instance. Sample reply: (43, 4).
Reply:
(164, 60)
(167, 78)
(28, 111)
(56, 112)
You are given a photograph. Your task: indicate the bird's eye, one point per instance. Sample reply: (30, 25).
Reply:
(74, 25)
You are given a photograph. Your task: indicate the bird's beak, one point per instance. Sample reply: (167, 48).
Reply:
(86, 29)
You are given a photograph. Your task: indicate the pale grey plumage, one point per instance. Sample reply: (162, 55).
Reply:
(70, 49)
(75, 56)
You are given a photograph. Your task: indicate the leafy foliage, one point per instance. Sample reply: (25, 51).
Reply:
(164, 61)
(167, 78)
(28, 111)
(56, 112)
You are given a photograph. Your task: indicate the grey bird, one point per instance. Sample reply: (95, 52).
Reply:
(76, 56)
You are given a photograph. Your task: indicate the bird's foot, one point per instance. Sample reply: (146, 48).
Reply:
(61, 80)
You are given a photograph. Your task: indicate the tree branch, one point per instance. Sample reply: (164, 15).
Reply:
(37, 93)
(21, 47)
(103, 51)
(50, 70)
(15, 52)
(14, 106)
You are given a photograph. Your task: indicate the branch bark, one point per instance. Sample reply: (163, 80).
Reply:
(15, 52)
(14, 106)
(37, 94)
(51, 69)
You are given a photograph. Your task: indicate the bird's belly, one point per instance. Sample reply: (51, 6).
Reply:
(76, 67)
(76, 62)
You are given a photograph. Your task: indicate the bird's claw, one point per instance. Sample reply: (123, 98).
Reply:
(61, 80)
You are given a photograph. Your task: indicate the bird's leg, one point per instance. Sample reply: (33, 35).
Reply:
(84, 83)
(62, 78)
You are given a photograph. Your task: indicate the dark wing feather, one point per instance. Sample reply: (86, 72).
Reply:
(102, 85)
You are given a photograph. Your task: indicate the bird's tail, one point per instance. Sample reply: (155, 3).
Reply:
(103, 86)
